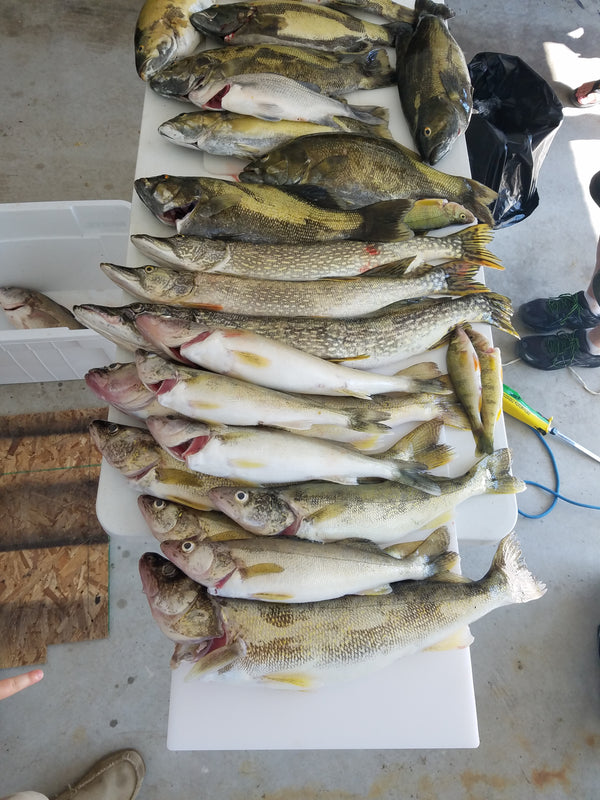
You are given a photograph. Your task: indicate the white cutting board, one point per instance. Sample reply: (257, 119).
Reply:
(421, 701)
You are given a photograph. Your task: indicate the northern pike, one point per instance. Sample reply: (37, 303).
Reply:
(241, 136)
(266, 362)
(306, 645)
(219, 208)
(361, 342)
(183, 614)
(218, 399)
(293, 571)
(263, 456)
(490, 370)
(352, 171)
(164, 33)
(120, 386)
(334, 74)
(336, 297)
(293, 23)
(27, 309)
(433, 82)
(345, 259)
(465, 375)
(174, 521)
(382, 513)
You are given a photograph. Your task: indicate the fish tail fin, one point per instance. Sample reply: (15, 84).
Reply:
(370, 115)
(422, 445)
(499, 312)
(480, 197)
(498, 477)
(384, 221)
(459, 278)
(510, 574)
(425, 377)
(473, 241)
(431, 7)
(412, 475)
(368, 420)
(452, 413)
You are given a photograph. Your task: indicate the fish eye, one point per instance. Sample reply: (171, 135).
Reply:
(112, 429)
(241, 496)
(427, 132)
(158, 504)
(463, 216)
(112, 367)
(188, 547)
(169, 570)
(148, 269)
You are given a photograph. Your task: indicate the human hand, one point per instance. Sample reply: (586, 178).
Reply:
(10, 686)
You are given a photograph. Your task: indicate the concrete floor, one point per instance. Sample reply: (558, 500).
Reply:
(71, 105)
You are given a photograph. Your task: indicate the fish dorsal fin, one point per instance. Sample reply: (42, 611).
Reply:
(458, 639)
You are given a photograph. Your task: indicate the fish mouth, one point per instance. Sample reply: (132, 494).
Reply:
(172, 216)
(188, 447)
(215, 103)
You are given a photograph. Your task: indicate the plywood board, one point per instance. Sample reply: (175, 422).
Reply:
(53, 552)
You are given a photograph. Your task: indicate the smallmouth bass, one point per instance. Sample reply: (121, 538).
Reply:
(352, 170)
(218, 208)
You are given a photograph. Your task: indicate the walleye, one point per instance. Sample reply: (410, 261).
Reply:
(365, 343)
(241, 136)
(266, 362)
(337, 297)
(120, 386)
(433, 82)
(345, 259)
(490, 368)
(263, 456)
(149, 469)
(293, 571)
(219, 208)
(164, 33)
(383, 513)
(183, 614)
(306, 645)
(352, 171)
(334, 74)
(292, 23)
(174, 521)
(218, 399)
(465, 376)
(27, 309)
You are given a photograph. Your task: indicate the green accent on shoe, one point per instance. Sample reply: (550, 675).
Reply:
(548, 315)
(557, 351)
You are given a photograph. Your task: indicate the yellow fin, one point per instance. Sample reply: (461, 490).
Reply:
(259, 569)
(252, 359)
(297, 679)
(444, 519)
(349, 358)
(461, 638)
(200, 405)
(227, 536)
(328, 512)
(275, 598)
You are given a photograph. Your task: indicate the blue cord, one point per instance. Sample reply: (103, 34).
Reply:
(556, 495)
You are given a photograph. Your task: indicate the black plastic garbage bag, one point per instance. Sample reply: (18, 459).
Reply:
(508, 138)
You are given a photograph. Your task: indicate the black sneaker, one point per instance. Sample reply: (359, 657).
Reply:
(557, 351)
(553, 313)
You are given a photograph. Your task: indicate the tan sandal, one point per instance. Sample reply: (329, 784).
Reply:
(117, 776)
